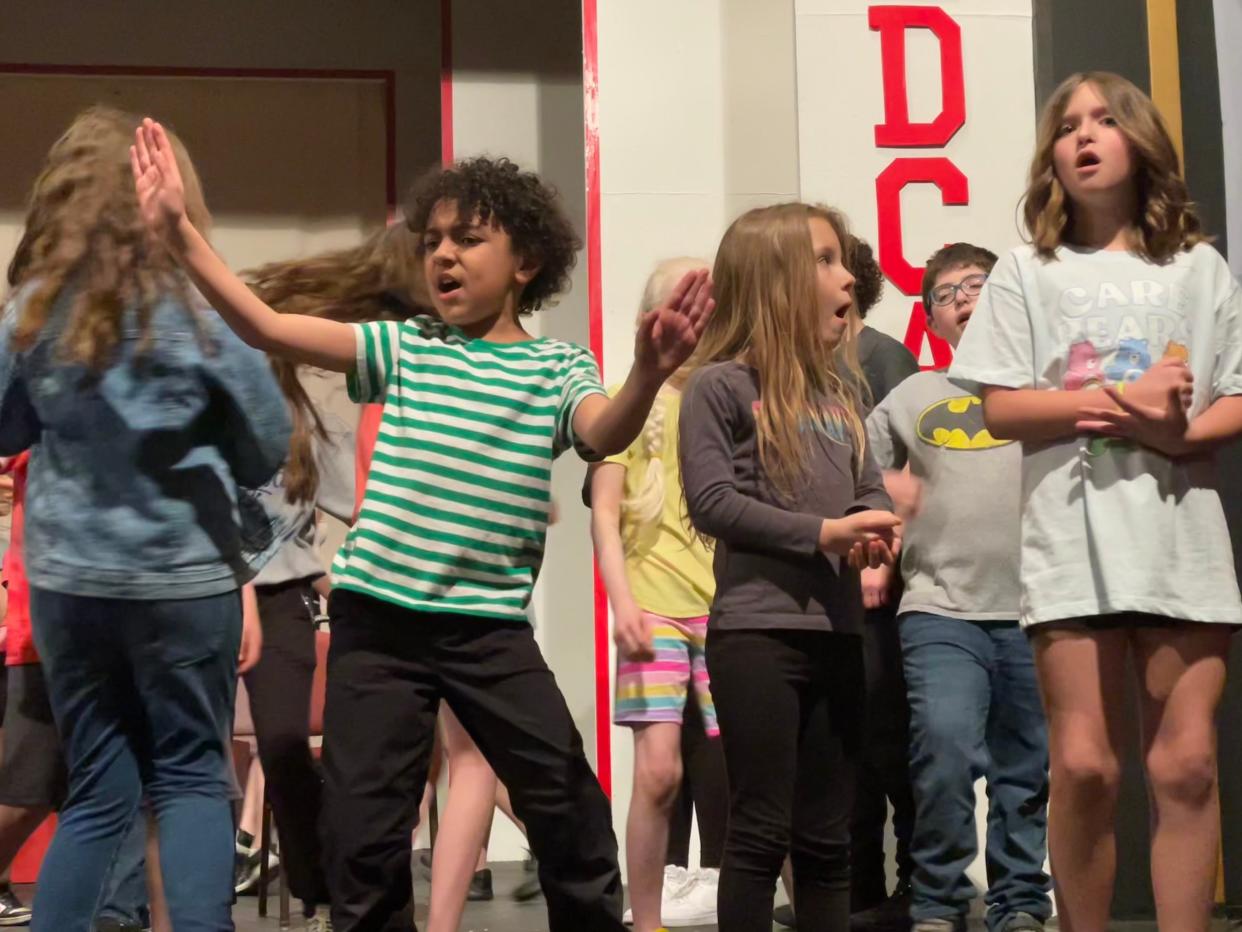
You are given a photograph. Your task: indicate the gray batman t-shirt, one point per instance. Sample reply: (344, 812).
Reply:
(960, 555)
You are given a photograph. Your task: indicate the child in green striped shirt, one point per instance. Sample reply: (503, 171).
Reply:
(432, 584)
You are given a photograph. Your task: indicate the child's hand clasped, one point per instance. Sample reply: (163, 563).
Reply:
(865, 538)
(668, 334)
(635, 641)
(1150, 411)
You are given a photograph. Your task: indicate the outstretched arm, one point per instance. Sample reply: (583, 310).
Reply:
(327, 344)
(666, 337)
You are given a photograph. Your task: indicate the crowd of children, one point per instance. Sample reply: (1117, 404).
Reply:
(836, 582)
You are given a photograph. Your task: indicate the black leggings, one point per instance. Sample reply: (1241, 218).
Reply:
(703, 789)
(279, 687)
(788, 704)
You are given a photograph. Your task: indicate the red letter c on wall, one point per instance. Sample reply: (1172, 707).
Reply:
(954, 189)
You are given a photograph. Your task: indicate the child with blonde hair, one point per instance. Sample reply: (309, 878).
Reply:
(777, 472)
(659, 580)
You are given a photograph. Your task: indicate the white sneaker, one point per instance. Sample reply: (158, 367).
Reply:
(321, 921)
(694, 902)
(676, 883)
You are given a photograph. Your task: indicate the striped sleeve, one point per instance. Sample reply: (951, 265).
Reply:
(377, 352)
(580, 380)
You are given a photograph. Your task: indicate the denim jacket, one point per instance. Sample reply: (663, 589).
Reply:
(135, 470)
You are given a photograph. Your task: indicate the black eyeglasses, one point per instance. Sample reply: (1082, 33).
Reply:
(971, 285)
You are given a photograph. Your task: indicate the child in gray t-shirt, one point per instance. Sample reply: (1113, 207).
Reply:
(974, 701)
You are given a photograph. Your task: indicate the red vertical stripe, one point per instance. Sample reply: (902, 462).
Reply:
(446, 82)
(595, 310)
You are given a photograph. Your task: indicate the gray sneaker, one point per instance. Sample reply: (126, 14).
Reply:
(934, 925)
(1022, 922)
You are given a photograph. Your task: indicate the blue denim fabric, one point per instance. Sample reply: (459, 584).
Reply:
(142, 692)
(135, 469)
(975, 712)
(126, 899)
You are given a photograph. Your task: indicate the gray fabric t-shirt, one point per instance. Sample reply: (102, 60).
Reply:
(299, 557)
(960, 555)
(1109, 526)
(886, 362)
(769, 570)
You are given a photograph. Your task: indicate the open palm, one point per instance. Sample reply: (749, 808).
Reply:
(157, 179)
(668, 334)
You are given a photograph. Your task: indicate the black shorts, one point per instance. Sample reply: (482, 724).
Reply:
(32, 763)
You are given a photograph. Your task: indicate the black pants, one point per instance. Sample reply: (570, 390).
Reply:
(788, 704)
(703, 788)
(280, 690)
(388, 669)
(884, 767)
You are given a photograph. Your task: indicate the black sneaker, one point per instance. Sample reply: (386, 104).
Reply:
(480, 886)
(890, 915)
(529, 888)
(12, 912)
(246, 869)
(784, 916)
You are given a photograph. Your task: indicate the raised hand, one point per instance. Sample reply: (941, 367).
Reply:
(668, 334)
(157, 180)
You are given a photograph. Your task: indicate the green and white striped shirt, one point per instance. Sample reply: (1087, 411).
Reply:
(455, 511)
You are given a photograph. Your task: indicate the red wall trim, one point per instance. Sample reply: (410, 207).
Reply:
(446, 82)
(595, 310)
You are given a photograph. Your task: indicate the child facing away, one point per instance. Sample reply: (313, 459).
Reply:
(432, 584)
(1111, 346)
(974, 700)
(777, 472)
(143, 416)
(659, 580)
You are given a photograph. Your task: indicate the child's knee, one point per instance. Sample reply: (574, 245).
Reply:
(1183, 769)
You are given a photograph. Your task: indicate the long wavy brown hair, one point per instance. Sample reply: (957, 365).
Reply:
(1165, 222)
(767, 315)
(83, 232)
(379, 279)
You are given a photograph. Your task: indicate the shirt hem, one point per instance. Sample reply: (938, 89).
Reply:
(1071, 610)
(434, 608)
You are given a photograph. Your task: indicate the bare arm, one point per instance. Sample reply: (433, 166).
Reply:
(666, 337)
(161, 197)
(633, 637)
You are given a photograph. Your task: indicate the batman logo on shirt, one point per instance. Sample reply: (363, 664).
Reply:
(956, 424)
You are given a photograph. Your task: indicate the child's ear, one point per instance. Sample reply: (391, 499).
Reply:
(528, 268)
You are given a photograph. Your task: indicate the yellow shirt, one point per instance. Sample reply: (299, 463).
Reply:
(669, 569)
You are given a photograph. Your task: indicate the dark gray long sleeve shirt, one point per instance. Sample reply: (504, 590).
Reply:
(769, 570)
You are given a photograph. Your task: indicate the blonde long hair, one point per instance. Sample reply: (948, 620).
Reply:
(379, 279)
(767, 315)
(1165, 222)
(83, 231)
(644, 505)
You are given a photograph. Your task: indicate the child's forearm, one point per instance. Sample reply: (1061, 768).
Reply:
(1216, 426)
(610, 555)
(324, 343)
(609, 426)
(1036, 414)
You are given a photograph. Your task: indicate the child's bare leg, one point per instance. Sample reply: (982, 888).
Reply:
(1082, 680)
(657, 777)
(463, 827)
(158, 905)
(1182, 678)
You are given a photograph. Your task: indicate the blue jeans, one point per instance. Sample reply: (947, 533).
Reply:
(975, 712)
(142, 692)
(125, 898)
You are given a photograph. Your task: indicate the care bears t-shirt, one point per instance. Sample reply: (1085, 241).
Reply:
(1108, 526)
